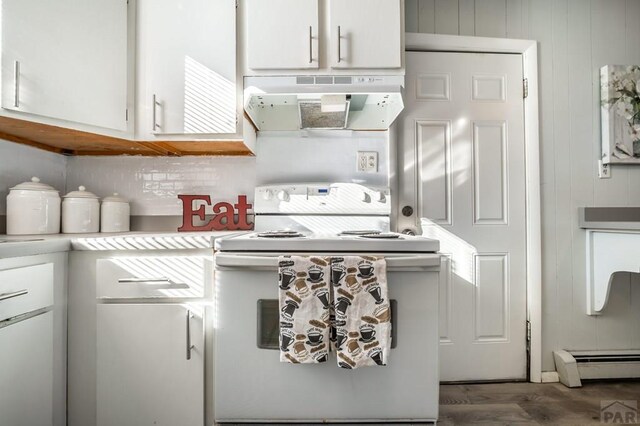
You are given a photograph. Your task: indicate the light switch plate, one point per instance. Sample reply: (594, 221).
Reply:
(367, 161)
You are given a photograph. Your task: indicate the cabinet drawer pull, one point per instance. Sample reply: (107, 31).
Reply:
(6, 296)
(310, 44)
(339, 44)
(189, 345)
(16, 84)
(154, 114)
(158, 280)
(164, 282)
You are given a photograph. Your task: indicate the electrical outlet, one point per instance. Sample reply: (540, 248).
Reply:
(604, 170)
(367, 161)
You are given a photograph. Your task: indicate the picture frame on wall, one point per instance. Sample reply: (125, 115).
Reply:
(620, 113)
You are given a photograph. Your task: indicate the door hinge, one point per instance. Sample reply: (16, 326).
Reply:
(126, 114)
(525, 88)
(528, 333)
(236, 4)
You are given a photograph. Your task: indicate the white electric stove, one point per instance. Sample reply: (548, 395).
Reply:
(251, 385)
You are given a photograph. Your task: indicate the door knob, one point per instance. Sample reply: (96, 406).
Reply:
(408, 231)
(407, 211)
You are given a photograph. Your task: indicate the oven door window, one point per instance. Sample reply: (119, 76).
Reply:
(268, 325)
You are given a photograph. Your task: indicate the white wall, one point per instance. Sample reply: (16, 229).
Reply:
(576, 37)
(330, 156)
(19, 163)
(152, 184)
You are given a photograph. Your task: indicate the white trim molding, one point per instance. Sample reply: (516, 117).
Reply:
(529, 51)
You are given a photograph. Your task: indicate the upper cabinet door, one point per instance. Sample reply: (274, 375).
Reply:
(282, 34)
(66, 60)
(365, 33)
(186, 68)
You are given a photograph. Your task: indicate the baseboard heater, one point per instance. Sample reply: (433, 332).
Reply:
(574, 366)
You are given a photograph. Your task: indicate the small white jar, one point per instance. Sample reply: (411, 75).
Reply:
(80, 212)
(33, 208)
(115, 213)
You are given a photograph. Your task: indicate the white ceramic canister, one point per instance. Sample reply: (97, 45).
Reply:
(114, 213)
(80, 212)
(33, 208)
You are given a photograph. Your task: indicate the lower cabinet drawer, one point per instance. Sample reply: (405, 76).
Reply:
(152, 277)
(25, 289)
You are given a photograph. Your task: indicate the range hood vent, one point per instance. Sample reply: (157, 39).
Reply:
(323, 102)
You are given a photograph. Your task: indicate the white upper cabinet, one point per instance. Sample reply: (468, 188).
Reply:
(282, 34)
(66, 60)
(365, 33)
(322, 36)
(186, 68)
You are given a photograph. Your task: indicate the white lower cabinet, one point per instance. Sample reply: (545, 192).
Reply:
(26, 372)
(150, 365)
(33, 340)
(139, 322)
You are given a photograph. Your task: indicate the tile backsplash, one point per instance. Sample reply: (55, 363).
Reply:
(19, 163)
(153, 183)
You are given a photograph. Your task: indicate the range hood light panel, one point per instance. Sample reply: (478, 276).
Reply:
(333, 103)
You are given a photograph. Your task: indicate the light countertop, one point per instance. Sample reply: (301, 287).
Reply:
(27, 245)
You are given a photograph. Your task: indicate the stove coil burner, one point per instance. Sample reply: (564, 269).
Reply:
(359, 233)
(280, 234)
(381, 236)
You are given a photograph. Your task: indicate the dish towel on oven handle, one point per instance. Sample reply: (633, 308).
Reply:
(362, 311)
(304, 308)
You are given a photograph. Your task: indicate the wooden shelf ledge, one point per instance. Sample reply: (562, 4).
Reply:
(75, 142)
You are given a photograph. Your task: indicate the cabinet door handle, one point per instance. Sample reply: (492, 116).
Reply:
(154, 114)
(16, 84)
(310, 44)
(339, 44)
(5, 296)
(189, 345)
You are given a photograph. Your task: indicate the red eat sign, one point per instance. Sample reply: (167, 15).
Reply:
(223, 218)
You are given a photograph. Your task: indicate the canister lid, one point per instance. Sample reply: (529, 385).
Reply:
(34, 185)
(81, 193)
(115, 198)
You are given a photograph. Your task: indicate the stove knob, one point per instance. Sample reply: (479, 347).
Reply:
(382, 198)
(366, 198)
(283, 196)
(268, 194)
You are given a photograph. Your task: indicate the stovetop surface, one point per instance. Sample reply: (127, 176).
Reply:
(330, 242)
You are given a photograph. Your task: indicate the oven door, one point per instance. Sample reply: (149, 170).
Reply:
(252, 385)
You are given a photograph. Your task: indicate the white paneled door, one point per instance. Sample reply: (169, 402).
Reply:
(462, 149)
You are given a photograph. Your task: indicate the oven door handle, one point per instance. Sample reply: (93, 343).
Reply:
(430, 261)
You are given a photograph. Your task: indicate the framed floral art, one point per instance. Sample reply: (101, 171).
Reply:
(620, 113)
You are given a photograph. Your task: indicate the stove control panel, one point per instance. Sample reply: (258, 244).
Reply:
(321, 198)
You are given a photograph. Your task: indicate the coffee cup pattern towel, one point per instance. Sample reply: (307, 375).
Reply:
(305, 305)
(334, 300)
(362, 311)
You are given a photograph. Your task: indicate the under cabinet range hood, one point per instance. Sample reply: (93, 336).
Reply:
(323, 102)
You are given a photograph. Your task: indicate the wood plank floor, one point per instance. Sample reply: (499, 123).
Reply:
(530, 403)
